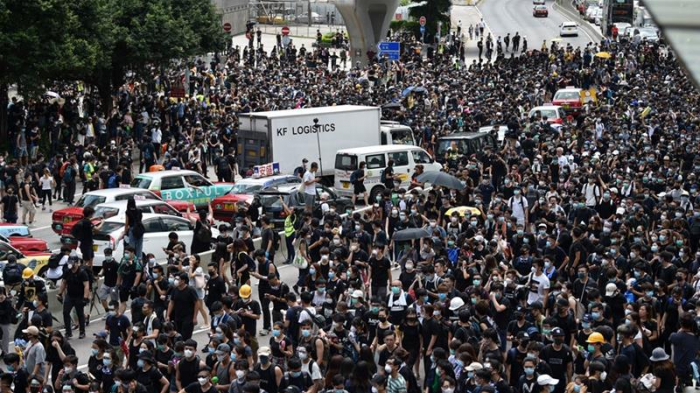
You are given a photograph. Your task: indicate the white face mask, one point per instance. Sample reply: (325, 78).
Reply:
(203, 381)
(240, 374)
(188, 353)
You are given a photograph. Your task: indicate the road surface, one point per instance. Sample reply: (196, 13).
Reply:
(511, 16)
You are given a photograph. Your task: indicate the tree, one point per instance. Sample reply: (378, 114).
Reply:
(98, 41)
(434, 11)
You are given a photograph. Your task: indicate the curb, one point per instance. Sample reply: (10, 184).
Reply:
(590, 31)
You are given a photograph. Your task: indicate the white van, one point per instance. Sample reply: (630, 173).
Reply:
(405, 158)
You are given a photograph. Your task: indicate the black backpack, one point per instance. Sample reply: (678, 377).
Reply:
(12, 274)
(55, 260)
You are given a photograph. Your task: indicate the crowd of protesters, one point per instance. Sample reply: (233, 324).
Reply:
(575, 271)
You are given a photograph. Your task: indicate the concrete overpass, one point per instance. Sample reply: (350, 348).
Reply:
(367, 22)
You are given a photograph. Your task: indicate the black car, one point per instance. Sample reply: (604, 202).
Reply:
(272, 207)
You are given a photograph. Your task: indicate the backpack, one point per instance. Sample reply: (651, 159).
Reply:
(12, 274)
(147, 154)
(203, 233)
(55, 260)
(68, 174)
(318, 319)
(354, 176)
(112, 181)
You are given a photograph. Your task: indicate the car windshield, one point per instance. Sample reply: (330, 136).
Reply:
(90, 200)
(109, 227)
(541, 7)
(566, 95)
(105, 212)
(244, 188)
(141, 182)
(402, 137)
(273, 200)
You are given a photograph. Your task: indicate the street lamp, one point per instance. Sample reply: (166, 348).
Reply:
(318, 142)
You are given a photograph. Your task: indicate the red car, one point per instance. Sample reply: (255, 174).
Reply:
(64, 217)
(112, 209)
(21, 238)
(540, 10)
(225, 206)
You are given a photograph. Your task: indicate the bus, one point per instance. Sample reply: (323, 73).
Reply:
(616, 11)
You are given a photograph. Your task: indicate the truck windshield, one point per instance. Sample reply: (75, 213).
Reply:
(402, 137)
(345, 162)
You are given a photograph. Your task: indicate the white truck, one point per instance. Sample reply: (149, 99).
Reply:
(316, 134)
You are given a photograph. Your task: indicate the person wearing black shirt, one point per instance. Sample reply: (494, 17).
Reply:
(76, 285)
(10, 206)
(183, 306)
(43, 312)
(69, 375)
(249, 311)
(203, 383)
(84, 234)
(216, 287)
(107, 291)
(148, 374)
(159, 287)
(559, 357)
(380, 272)
(21, 377)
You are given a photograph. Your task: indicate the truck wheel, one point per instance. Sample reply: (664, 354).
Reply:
(377, 190)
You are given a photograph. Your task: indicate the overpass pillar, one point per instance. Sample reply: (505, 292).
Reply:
(367, 22)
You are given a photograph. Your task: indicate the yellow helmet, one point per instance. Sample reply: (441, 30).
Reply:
(245, 291)
(27, 272)
(595, 338)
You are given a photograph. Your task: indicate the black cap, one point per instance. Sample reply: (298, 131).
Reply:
(557, 332)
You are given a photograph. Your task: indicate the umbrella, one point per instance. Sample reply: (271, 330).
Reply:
(462, 210)
(603, 55)
(420, 90)
(441, 179)
(411, 234)
(407, 90)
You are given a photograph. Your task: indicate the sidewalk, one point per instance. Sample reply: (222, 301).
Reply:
(469, 15)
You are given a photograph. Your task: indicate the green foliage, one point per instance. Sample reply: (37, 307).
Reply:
(434, 11)
(99, 40)
(407, 25)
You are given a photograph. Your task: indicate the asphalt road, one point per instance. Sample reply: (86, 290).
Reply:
(510, 16)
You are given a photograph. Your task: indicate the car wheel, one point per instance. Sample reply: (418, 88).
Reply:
(42, 272)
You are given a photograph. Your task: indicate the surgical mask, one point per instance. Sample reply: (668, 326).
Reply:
(295, 374)
(306, 332)
(448, 390)
(68, 370)
(94, 351)
(276, 332)
(140, 363)
(477, 283)
(529, 370)
(202, 381)
(395, 290)
(603, 375)
(595, 315)
(240, 374)
(387, 369)
(188, 353)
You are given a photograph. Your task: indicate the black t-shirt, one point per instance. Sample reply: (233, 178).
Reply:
(249, 323)
(45, 315)
(185, 300)
(149, 379)
(380, 270)
(557, 360)
(195, 387)
(109, 269)
(216, 288)
(9, 204)
(75, 282)
(84, 232)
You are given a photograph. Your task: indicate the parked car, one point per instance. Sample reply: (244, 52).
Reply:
(537, 2)
(555, 114)
(499, 131)
(21, 238)
(598, 18)
(465, 143)
(572, 99)
(540, 11)
(181, 185)
(271, 19)
(568, 28)
(158, 227)
(591, 12)
(273, 209)
(37, 261)
(649, 34)
(94, 198)
(112, 209)
(315, 18)
(224, 207)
